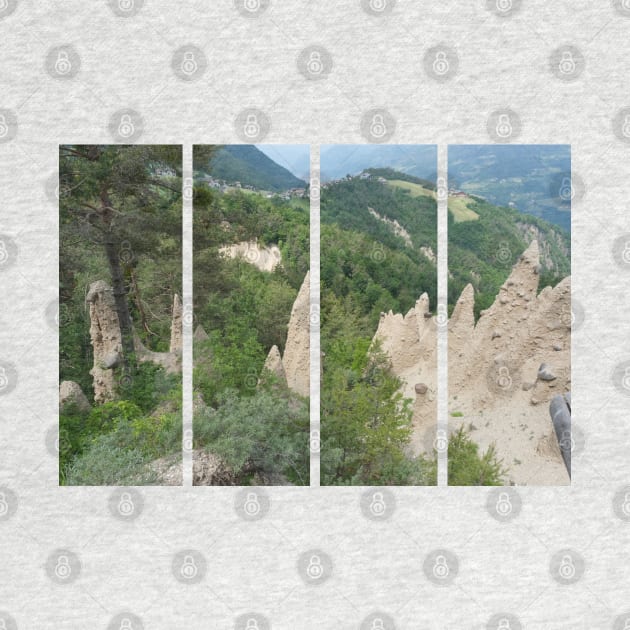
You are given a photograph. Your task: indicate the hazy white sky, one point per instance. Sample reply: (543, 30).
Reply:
(294, 157)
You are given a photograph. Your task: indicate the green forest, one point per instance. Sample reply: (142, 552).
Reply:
(482, 252)
(366, 269)
(120, 222)
(252, 421)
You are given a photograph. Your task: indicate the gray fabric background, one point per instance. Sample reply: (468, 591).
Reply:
(125, 568)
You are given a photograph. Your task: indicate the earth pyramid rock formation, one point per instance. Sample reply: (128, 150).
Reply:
(494, 378)
(106, 340)
(296, 359)
(293, 368)
(70, 393)
(410, 343)
(273, 364)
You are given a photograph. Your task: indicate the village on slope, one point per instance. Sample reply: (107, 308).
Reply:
(251, 323)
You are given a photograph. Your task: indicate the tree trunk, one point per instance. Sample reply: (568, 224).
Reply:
(120, 296)
(118, 283)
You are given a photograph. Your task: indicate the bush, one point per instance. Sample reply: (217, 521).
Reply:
(467, 468)
(106, 463)
(266, 434)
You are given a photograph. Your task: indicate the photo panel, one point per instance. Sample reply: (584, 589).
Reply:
(120, 315)
(251, 374)
(378, 326)
(509, 303)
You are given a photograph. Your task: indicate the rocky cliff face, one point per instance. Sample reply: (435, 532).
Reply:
(107, 342)
(265, 258)
(503, 369)
(410, 342)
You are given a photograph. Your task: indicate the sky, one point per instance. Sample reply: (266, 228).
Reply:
(296, 158)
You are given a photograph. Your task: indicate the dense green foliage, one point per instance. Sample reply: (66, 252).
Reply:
(365, 269)
(248, 165)
(364, 265)
(263, 437)
(466, 467)
(482, 252)
(261, 433)
(119, 215)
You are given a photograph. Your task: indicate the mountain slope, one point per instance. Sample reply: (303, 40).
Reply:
(482, 252)
(340, 160)
(248, 165)
(531, 177)
(378, 246)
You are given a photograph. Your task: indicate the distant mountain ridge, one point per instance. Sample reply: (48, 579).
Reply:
(248, 165)
(337, 161)
(535, 179)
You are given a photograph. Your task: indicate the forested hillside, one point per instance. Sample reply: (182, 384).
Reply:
(250, 420)
(482, 251)
(248, 165)
(373, 235)
(363, 260)
(120, 223)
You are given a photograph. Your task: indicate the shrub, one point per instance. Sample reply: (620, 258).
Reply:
(467, 468)
(265, 434)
